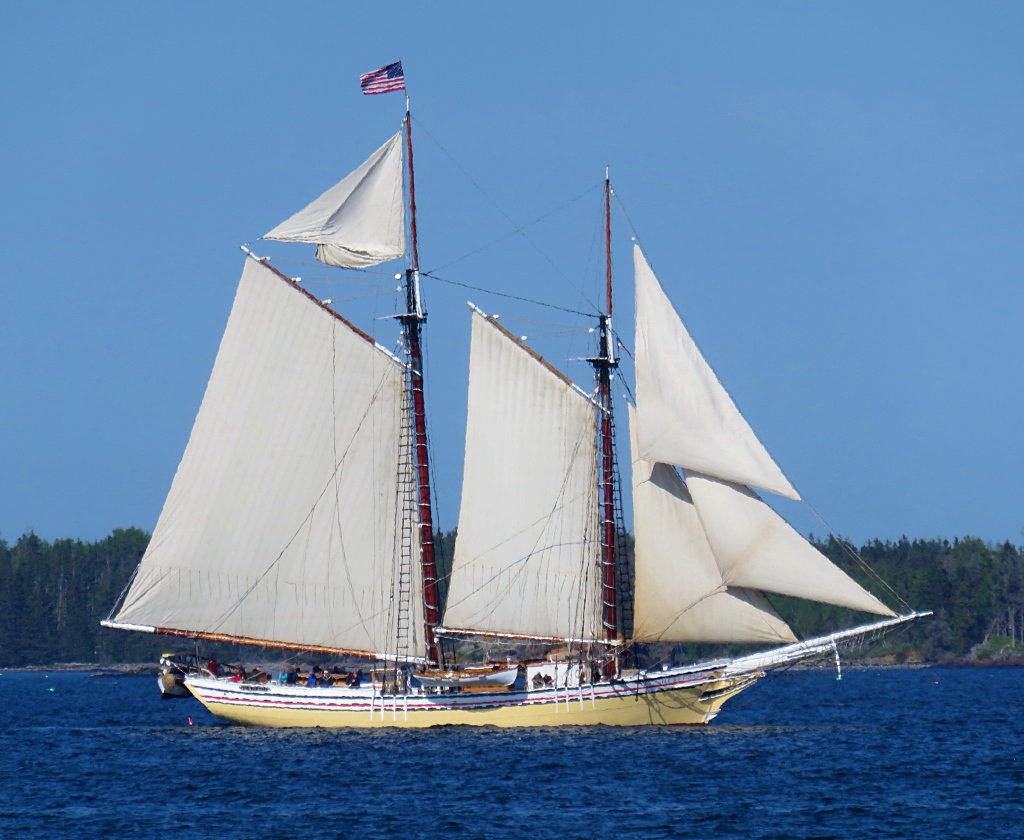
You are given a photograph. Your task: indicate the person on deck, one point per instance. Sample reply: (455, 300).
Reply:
(311, 679)
(293, 676)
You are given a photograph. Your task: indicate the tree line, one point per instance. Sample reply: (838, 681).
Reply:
(970, 585)
(53, 596)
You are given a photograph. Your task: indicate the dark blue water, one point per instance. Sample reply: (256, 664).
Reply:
(928, 753)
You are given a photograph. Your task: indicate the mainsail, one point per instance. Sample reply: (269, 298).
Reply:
(686, 417)
(680, 594)
(360, 221)
(283, 521)
(527, 552)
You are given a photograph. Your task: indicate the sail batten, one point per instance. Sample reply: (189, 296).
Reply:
(359, 222)
(283, 521)
(685, 416)
(527, 551)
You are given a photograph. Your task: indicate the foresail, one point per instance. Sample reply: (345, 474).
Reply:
(359, 222)
(685, 417)
(527, 552)
(755, 547)
(679, 594)
(283, 519)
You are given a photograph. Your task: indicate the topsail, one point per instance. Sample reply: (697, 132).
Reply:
(360, 221)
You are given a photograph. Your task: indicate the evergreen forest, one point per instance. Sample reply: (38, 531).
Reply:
(54, 595)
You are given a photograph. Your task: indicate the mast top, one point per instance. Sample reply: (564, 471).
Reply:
(608, 238)
(412, 191)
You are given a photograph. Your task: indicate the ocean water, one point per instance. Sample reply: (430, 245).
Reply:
(931, 753)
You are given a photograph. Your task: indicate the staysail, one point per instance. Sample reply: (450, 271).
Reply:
(360, 221)
(685, 416)
(283, 519)
(527, 552)
(679, 594)
(756, 547)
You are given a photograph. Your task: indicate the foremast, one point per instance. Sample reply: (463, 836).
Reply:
(412, 321)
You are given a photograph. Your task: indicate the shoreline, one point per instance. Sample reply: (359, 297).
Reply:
(150, 669)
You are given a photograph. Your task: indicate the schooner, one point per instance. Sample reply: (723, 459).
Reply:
(300, 516)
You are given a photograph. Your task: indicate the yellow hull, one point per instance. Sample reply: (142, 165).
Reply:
(610, 706)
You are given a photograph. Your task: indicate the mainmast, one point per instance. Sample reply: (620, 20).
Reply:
(604, 363)
(412, 321)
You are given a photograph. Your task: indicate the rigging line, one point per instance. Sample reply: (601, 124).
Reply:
(520, 230)
(506, 295)
(337, 499)
(471, 179)
(516, 575)
(535, 322)
(383, 285)
(120, 598)
(624, 385)
(766, 684)
(856, 557)
(632, 230)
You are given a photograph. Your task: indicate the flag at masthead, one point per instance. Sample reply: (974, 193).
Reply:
(385, 80)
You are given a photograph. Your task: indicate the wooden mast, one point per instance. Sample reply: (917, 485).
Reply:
(411, 324)
(604, 364)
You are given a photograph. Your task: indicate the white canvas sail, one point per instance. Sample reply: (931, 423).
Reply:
(527, 553)
(685, 417)
(360, 221)
(679, 594)
(755, 547)
(282, 522)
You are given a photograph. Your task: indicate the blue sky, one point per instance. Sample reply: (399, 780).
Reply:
(830, 193)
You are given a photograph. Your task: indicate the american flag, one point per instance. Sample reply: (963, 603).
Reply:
(384, 80)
